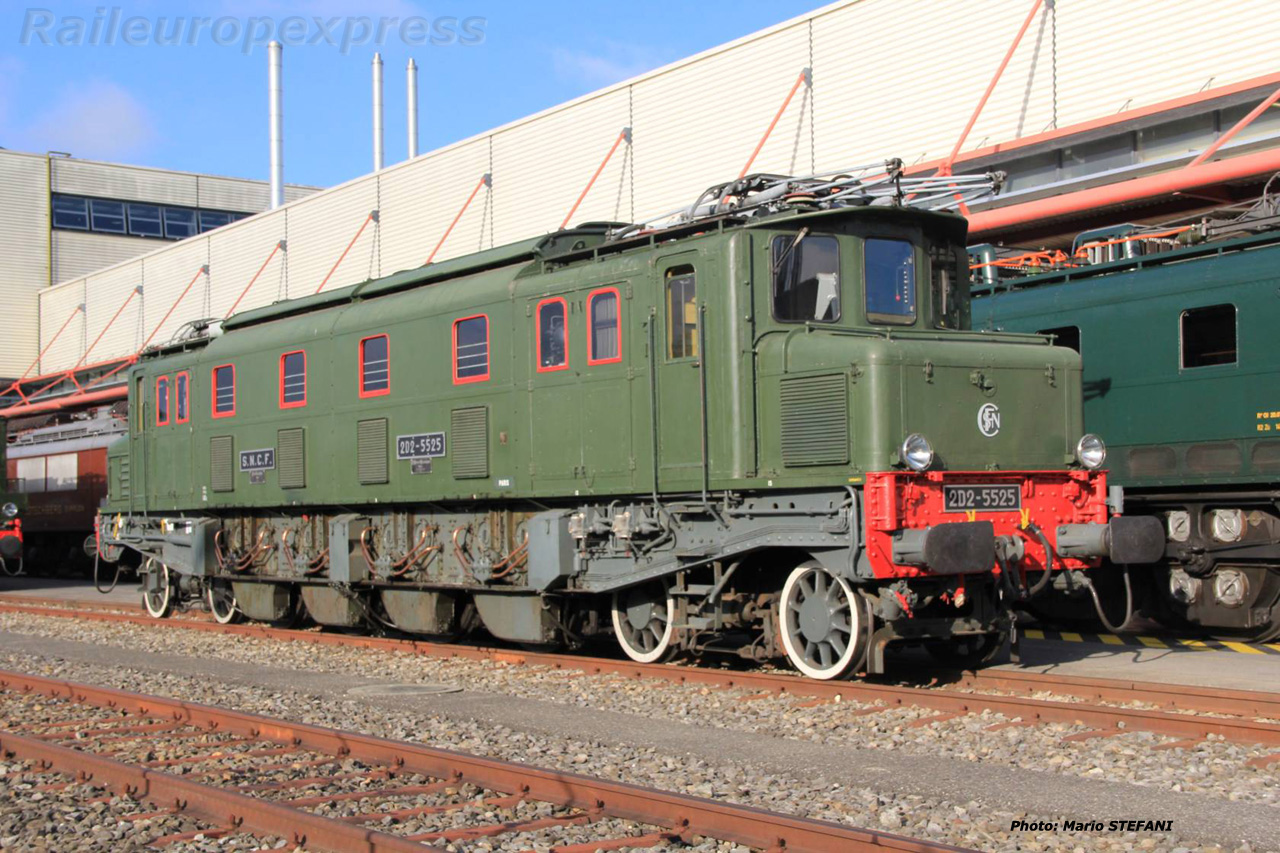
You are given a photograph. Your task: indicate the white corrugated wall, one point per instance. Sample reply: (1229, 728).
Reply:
(890, 78)
(24, 263)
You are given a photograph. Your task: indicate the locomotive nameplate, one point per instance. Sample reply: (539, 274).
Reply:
(982, 498)
(258, 460)
(427, 445)
(420, 466)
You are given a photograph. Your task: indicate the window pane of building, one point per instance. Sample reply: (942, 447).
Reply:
(179, 223)
(144, 220)
(210, 219)
(70, 212)
(31, 475)
(108, 216)
(471, 348)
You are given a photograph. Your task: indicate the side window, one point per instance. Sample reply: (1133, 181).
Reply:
(682, 313)
(806, 279)
(62, 472)
(1064, 336)
(553, 338)
(471, 349)
(1209, 336)
(946, 270)
(890, 267)
(604, 326)
(293, 380)
(182, 397)
(224, 391)
(375, 366)
(162, 400)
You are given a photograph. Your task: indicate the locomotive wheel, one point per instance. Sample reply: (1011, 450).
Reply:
(967, 652)
(823, 625)
(11, 572)
(159, 604)
(643, 623)
(222, 602)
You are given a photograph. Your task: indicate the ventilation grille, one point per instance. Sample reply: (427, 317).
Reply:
(371, 451)
(220, 472)
(120, 468)
(470, 442)
(815, 421)
(291, 450)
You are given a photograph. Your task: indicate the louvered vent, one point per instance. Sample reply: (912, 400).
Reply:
(291, 450)
(221, 478)
(469, 442)
(123, 487)
(815, 421)
(371, 451)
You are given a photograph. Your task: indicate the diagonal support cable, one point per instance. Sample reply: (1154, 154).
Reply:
(278, 246)
(486, 180)
(204, 270)
(624, 135)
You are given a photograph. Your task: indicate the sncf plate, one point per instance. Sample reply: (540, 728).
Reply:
(982, 498)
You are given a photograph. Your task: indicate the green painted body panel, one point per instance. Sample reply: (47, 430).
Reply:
(1137, 395)
(589, 430)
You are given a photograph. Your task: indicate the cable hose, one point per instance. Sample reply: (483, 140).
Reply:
(1097, 603)
(97, 580)
(1048, 565)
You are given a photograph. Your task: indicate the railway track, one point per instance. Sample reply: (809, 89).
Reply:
(340, 791)
(1108, 707)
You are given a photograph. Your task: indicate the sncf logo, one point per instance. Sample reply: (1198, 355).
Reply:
(989, 419)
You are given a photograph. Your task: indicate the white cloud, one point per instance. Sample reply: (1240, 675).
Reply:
(616, 62)
(96, 119)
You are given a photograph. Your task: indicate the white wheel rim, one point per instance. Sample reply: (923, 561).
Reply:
(221, 619)
(663, 642)
(788, 613)
(158, 612)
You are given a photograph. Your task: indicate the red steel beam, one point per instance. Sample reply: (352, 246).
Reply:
(982, 103)
(1239, 126)
(485, 180)
(1138, 189)
(106, 395)
(624, 134)
(804, 76)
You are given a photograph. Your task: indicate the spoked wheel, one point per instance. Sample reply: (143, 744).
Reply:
(643, 621)
(823, 623)
(222, 602)
(967, 652)
(159, 604)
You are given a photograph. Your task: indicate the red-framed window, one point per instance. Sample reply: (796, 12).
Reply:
(223, 391)
(182, 397)
(293, 380)
(552, 341)
(471, 349)
(375, 366)
(604, 326)
(162, 400)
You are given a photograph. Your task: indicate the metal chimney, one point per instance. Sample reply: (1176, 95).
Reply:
(275, 101)
(412, 88)
(377, 112)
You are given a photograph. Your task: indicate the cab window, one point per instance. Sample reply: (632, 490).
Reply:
(806, 278)
(890, 268)
(946, 270)
(682, 313)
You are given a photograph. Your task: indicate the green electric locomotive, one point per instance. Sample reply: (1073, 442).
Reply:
(1176, 325)
(763, 429)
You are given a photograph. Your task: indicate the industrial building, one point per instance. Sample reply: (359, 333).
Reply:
(1088, 95)
(62, 217)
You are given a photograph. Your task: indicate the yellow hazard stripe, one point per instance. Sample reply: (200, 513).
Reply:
(1152, 643)
(1033, 634)
(1072, 637)
(1197, 645)
(1242, 647)
(1111, 639)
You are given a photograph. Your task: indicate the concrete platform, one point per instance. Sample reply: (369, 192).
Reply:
(126, 592)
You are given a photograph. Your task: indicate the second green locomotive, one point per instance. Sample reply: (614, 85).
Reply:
(766, 431)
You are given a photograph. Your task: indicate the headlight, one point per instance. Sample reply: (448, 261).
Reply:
(1091, 452)
(917, 452)
(10, 510)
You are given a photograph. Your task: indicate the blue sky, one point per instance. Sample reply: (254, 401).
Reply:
(202, 106)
